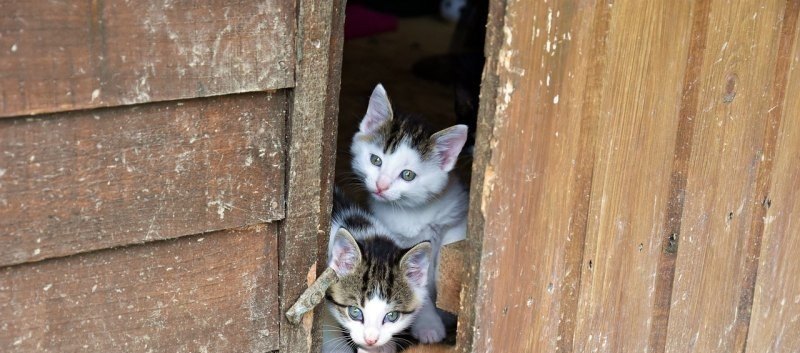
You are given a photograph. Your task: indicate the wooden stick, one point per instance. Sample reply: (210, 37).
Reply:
(312, 296)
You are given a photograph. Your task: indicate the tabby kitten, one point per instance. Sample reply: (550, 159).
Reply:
(406, 170)
(381, 286)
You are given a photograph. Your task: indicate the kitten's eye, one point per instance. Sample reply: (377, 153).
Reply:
(375, 160)
(355, 313)
(408, 175)
(391, 317)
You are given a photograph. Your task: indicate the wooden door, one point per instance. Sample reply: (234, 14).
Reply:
(165, 169)
(635, 179)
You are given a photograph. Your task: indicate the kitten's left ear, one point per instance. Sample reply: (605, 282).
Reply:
(378, 111)
(447, 144)
(415, 264)
(345, 254)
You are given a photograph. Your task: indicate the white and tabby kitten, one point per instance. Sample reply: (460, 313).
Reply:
(381, 287)
(406, 170)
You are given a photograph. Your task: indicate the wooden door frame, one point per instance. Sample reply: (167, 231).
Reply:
(311, 127)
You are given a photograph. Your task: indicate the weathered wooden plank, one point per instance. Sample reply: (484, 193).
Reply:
(641, 95)
(665, 275)
(216, 292)
(330, 131)
(775, 320)
(450, 277)
(88, 180)
(472, 280)
(513, 49)
(310, 163)
(719, 242)
(67, 55)
(531, 176)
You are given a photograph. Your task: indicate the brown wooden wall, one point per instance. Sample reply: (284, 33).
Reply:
(635, 181)
(164, 172)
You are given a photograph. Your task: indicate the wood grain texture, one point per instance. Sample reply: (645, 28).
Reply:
(775, 320)
(665, 275)
(88, 180)
(467, 332)
(561, 96)
(641, 92)
(450, 277)
(310, 162)
(330, 130)
(627, 161)
(67, 55)
(183, 295)
(718, 247)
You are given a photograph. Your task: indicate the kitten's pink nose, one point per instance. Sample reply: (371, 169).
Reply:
(382, 184)
(370, 336)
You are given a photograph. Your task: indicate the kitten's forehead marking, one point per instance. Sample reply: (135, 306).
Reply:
(404, 157)
(400, 129)
(374, 310)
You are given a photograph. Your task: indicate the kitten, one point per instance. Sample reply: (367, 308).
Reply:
(381, 286)
(406, 170)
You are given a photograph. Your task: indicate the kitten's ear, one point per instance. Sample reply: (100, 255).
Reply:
(378, 111)
(415, 264)
(345, 254)
(447, 144)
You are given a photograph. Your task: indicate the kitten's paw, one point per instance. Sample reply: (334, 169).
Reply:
(430, 330)
(387, 348)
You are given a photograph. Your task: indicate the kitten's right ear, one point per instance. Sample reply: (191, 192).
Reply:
(415, 264)
(345, 254)
(378, 111)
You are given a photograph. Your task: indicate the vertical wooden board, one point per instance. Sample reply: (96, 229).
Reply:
(67, 55)
(530, 188)
(716, 245)
(330, 131)
(88, 180)
(775, 322)
(646, 58)
(310, 162)
(216, 292)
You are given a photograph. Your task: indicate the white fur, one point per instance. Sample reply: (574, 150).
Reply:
(431, 207)
(429, 180)
(428, 326)
(441, 221)
(375, 308)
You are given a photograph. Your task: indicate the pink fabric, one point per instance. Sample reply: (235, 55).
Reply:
(363, 22)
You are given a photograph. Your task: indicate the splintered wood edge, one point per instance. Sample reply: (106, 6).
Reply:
(312, 296)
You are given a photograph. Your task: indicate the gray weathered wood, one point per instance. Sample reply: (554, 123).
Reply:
(216, 292)
(67, 55)
(311, 148)
(87, 180)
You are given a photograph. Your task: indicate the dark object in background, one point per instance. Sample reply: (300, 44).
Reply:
(463, 66)
(363, 22)
(403, 8)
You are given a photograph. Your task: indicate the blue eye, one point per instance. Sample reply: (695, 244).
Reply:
(391, 317)
(355, 313)
(375, 160)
